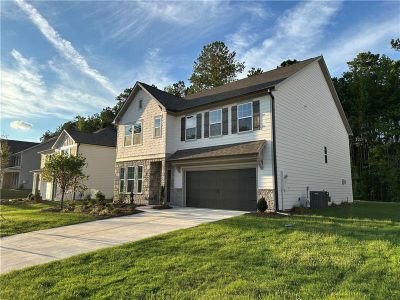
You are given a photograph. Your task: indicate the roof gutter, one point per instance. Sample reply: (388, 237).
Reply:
(274, 148)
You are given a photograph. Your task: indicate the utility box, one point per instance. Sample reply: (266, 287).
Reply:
(319, 199)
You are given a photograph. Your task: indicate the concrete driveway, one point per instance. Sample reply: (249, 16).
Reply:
(38, 247)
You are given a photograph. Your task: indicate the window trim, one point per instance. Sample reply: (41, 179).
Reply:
(127, 179)
(141, 132)
(140, 103)
(195, 127)
(139, 179)
(125, 135)
(121, 180)
(251, 116)
(160, 127)
(210, 123)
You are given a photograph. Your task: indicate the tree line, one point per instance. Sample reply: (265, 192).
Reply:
(370, 96)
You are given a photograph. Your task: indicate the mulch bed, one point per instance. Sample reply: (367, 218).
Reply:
(266, 214)
(162, 206)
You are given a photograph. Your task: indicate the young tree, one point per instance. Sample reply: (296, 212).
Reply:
(65, 171)
(5, 155)
(178, 89)
(215, 66)
(253, 71)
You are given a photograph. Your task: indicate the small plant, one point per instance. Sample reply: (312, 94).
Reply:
(100, 198)
(262, 205)
(162, 195)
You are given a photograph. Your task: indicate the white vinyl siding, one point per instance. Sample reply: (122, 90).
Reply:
(264, 174)
(307, 120)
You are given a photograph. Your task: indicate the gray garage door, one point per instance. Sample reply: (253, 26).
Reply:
(222, 189)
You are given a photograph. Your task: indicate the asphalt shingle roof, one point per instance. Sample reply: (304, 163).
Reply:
(103, 137)
(247, 148)
(17, 146)
(230, 90)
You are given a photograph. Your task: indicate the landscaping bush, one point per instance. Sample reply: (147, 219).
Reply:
(262, 205)
(100, 198)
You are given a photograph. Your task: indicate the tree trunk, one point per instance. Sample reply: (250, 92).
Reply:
(62, 199)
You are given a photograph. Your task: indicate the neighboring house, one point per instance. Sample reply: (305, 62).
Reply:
(24, 158)
(98, 148)
(278, 135)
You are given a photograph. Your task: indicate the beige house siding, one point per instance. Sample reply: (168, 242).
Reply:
(307, 120)
(151, 147)
(100, 166)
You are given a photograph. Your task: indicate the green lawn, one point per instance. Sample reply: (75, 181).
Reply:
(348, 252)
(13, 194)
(21, 218)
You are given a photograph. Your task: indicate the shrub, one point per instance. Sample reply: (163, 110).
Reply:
(262, 205)
(88, 197)
(100, 198)
(79, 209)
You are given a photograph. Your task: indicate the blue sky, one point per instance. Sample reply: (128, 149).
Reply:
(63, 59)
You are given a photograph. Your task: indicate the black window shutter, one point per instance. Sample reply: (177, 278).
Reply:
(256, 115)
(198, 126)
(206, 124)
(183, 131)
(234, 119)
(225, 121)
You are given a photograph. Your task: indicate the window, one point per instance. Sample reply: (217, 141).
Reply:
(326, 154)
(121, 180)
(245, 117)
(140, 104)
(190, 127)
(128, 135)
(66, 152)
(139, 178)
(137, 133)
(130, 179)
(157, 126)
(216, 122)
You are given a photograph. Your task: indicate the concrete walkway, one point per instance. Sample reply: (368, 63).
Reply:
(38, 247)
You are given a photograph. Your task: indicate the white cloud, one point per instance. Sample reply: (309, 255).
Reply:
(24, 93)
(155, 69)
(64, 47)
(296, 33)
(372, 36)
(21, 125)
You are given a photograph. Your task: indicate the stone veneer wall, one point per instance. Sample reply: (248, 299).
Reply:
(147, 191)
(269, 197)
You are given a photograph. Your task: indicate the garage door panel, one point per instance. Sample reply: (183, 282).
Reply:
(223, 189)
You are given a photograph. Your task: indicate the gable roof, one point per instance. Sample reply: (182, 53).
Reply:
(234, 89)
(18, 146)
(102, 137)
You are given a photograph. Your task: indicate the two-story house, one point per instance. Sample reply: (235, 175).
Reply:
(23, 159)
(278, 135)
(98, 149)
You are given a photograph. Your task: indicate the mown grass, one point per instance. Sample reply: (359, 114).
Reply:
(19, 218)
(349, 252)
